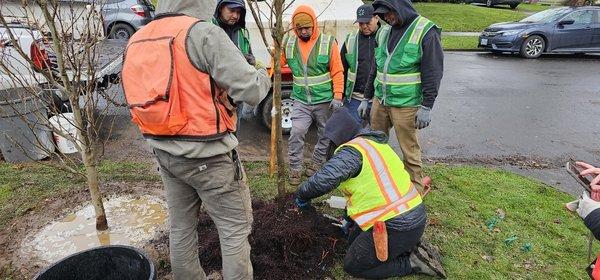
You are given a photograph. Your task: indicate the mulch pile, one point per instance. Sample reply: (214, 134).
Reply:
(286, 243)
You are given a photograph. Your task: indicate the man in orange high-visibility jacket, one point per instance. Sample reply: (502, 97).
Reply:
(379, 193)
(179, 74)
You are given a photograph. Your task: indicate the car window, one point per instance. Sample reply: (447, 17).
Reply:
(580, 17)
(547, 15)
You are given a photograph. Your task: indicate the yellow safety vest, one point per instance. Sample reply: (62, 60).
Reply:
(382, 190)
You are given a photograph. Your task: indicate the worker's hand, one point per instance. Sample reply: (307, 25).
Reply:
(586, 205)
(590, 169)
(423, 117)
(363, 109)
(336, 104)
(302, 204)
(259, 65)
(250, 58)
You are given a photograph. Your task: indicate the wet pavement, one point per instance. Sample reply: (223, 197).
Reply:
(528, 116)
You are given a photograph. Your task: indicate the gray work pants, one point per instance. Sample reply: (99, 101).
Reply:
(217, 183)
(302, 117)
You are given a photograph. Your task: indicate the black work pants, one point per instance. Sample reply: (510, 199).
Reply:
(361, 260)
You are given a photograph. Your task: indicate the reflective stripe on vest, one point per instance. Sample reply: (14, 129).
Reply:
(367, 219)
(400, 79)
(351, 45)
(418, 31)
(395, 201)
(323, 50)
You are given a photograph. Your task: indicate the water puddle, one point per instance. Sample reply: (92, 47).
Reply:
(132, 221)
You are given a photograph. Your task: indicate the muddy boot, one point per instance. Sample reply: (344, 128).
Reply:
(295, 177)
(425, 262)
(311, 168)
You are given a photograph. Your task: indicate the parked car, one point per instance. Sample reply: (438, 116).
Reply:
(123, 17)
(30, 40)
(490, 3)
(558, 30)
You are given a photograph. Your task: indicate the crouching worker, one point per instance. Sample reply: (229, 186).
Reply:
(386, 210)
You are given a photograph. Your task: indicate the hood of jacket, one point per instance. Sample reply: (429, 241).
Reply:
(200, 9)
(341, 127)
(404, 8)
(241, 23)
(310, 12)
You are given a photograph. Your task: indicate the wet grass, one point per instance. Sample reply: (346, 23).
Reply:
(471, 18)
(459, 42)
(464, 202)
(24, 187)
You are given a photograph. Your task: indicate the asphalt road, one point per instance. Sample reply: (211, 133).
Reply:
(529, 116)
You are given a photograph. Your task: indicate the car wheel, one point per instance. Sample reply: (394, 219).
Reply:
(287, 105)
(489, 3)
(533, 47)
(514, 5)
(121, 31)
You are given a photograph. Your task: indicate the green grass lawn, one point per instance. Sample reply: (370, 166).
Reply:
(459, 42)
(462, 17)
(465, 200)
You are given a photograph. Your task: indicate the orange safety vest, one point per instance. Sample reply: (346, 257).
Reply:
(167, 95)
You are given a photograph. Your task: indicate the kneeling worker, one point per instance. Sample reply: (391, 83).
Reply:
(380, 195)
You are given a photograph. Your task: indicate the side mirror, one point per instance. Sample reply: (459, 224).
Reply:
(566, 22)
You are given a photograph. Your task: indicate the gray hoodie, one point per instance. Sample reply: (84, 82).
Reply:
(211, 51)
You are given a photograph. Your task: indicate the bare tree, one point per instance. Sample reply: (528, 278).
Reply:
(61, 68)
(276, 8)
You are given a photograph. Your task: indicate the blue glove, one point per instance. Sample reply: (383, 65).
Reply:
(302, 204)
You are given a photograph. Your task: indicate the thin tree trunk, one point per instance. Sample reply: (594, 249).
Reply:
(278, 6)
(92, 180)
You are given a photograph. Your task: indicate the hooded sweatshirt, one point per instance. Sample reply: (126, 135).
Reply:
(231, 30)
(366, 56)
(336, 68)
(347, 163)
(211, 51)
(432, 61)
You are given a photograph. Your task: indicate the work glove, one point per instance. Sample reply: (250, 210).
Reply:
(250, 58)
(363, 109)
(302, 204)
(259, 64)
(586, 205)
(336, 104)
(423, 117)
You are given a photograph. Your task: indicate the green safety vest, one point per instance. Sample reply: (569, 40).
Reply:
(398, 81)
(312, 81)
(352, 60)
(382, 190)
(243, 38)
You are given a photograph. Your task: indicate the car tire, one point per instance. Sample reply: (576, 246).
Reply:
(514, 5)
(489, 3)
(287, 105)
(533, 47)
(121, 31)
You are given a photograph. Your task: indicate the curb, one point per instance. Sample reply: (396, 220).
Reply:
(464, 50)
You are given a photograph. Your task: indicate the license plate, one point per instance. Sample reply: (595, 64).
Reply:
(484, 42)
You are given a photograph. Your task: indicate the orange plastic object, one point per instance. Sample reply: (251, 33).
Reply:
(381, 241)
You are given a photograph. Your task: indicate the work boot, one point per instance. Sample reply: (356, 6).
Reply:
(295, 177)
(311, 169)
(427, 261)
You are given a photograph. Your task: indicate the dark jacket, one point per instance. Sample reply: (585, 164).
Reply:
(347, 163)
(366, 58)
(432, 61)
(231, 30)
(592, 221)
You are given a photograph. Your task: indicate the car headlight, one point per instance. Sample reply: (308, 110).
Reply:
(510, 32)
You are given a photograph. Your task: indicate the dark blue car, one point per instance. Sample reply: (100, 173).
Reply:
(558, 30)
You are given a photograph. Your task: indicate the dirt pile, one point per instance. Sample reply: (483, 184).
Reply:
(286, 244)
